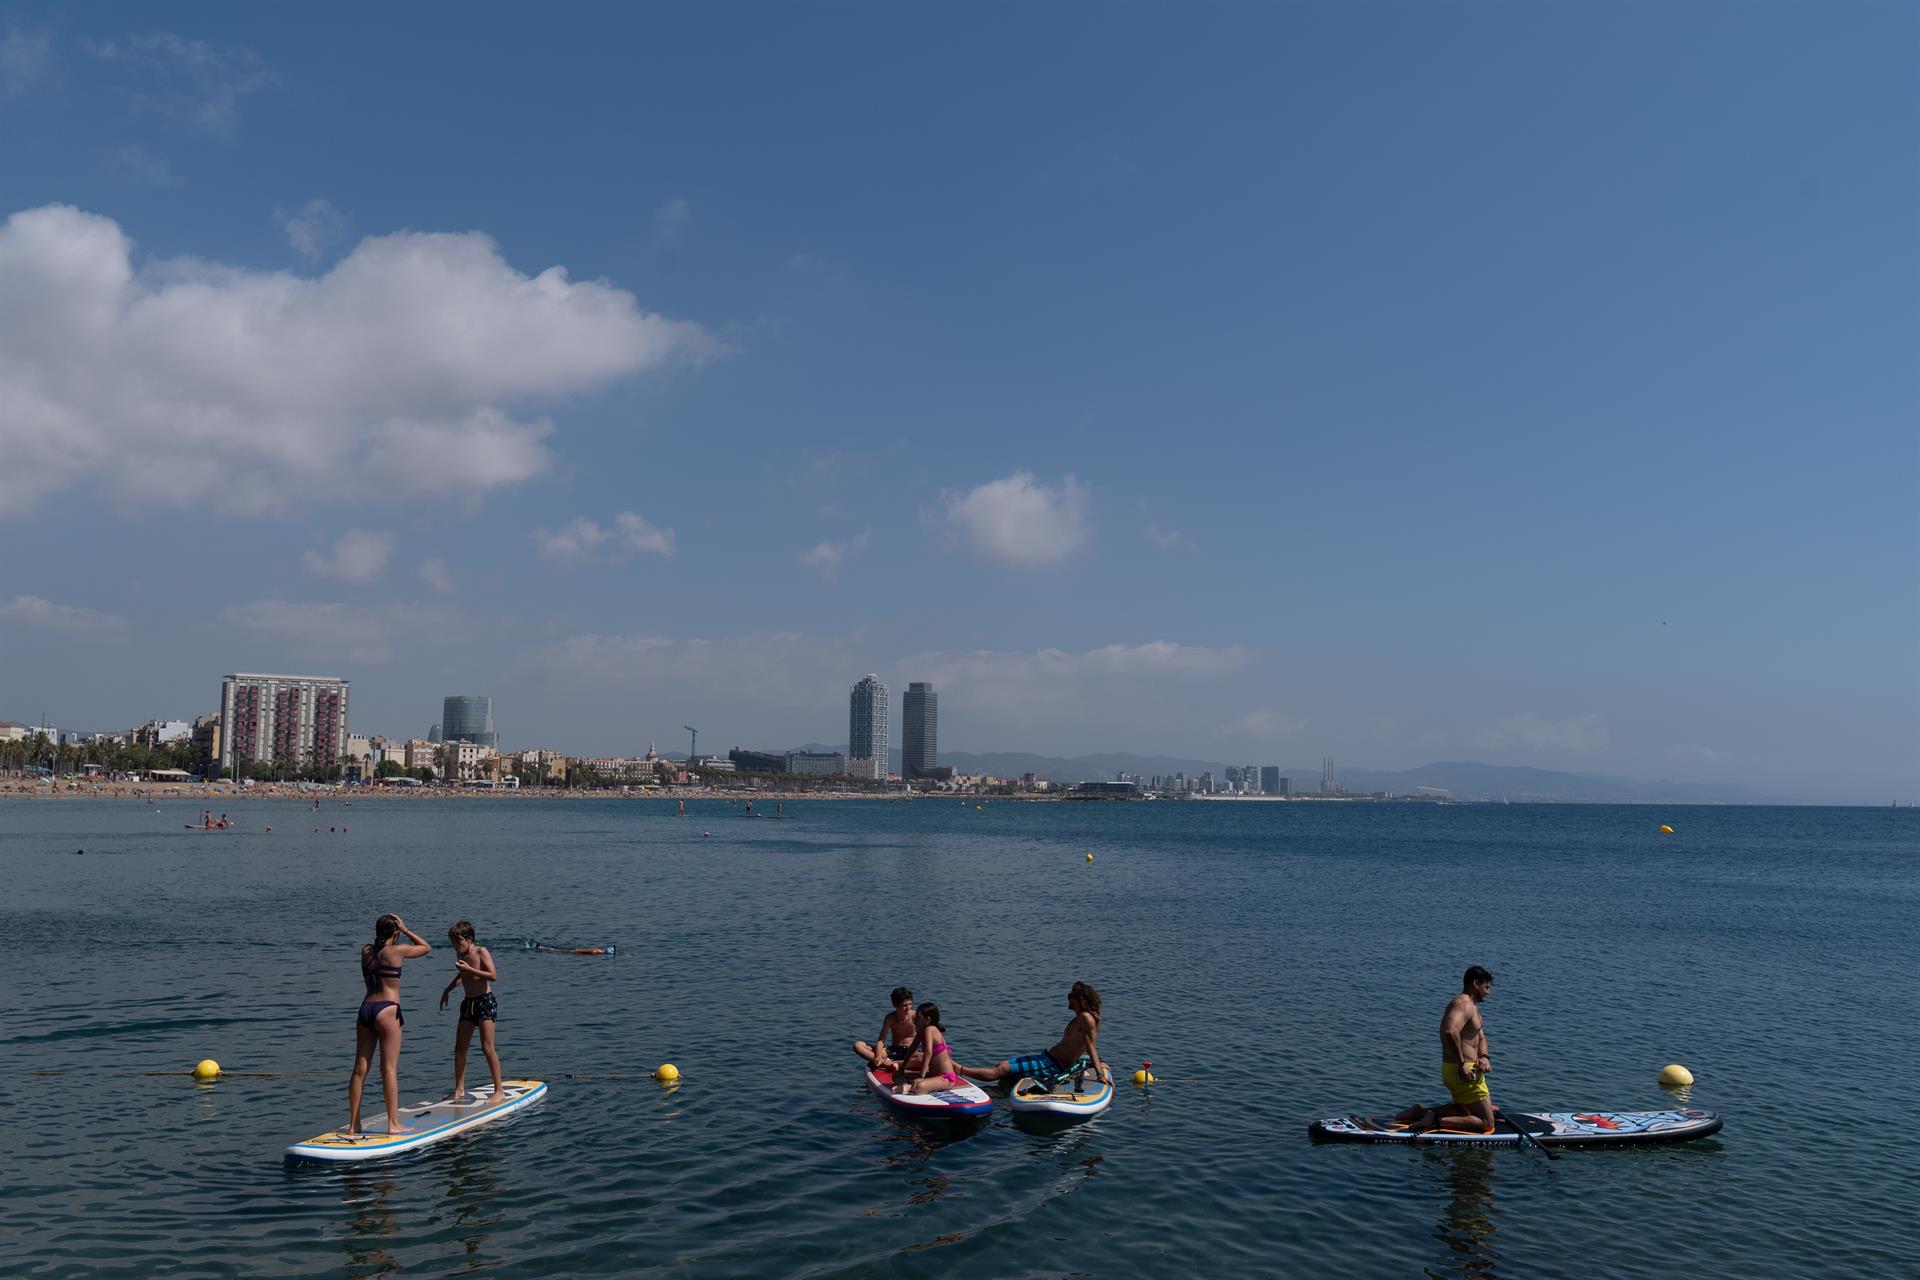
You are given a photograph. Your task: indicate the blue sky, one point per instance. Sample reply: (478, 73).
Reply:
(1530, 384)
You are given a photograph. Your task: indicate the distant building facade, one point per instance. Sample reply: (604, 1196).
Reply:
(757, 761)
(1271, 783)
(468, 718)
(265, 718)
(867, 735)
(817, 763)
(919, 730)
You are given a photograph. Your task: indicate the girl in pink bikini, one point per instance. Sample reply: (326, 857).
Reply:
(937, 1071)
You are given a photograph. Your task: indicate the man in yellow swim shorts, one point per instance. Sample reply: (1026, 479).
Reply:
(1463, 1064)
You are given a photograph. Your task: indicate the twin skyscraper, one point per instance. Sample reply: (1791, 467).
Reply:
(868, 734)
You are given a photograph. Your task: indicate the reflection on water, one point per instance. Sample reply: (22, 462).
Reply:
(1467, 1225)
(371, 1223)
(473, 1182)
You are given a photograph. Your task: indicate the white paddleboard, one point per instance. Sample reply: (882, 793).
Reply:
(1548, 1128)
(1031, 1097)
(425, 1123)
(965, 1099)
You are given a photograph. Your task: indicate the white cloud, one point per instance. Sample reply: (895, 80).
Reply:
(580, 537)
(24, 58)
(827, 557)
(1580, 733)
(1160, 536)
(359, 556)
(193, 383)
(32, 611)
(434, 573)
(672, 220)
(312, 227)
(331, 632)
(198, 84)
(1021, 521)
(1264, 726)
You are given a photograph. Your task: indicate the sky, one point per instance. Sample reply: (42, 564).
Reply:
(1531, 384)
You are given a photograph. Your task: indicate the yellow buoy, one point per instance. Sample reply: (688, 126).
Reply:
(1675, 1076)
(667, 1073)
(1089, 857)
(1143, 1077)
(206, 1069)
(1665, 830)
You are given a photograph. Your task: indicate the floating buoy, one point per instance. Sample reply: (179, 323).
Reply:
(1665, 830)
(706, 833)
(667, 1073)
(1675, 1076)
(206, 1069)
(1145, 1074)
(1089, 857)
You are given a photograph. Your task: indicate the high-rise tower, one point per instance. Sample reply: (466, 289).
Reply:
(919, 730)
(267, 718)
(468, 718)
(867, 728)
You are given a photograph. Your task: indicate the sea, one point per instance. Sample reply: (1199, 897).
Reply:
(1276, 963)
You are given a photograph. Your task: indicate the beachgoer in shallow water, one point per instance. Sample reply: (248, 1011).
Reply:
(474, 971)
(1463, 1064)
(897, 1030)
(936, 1070)
(1078, 1050)
(378, 1023)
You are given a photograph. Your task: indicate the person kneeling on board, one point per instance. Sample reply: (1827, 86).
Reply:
(378, 1023)
(897, 1030)
(937, 1071)
(1078, 1050)
(473, 970)
(1463, 1064)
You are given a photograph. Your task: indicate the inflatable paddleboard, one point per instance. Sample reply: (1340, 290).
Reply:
(964, 1100)
(1548, 1128)
(1031, 1097)
(426, 1122)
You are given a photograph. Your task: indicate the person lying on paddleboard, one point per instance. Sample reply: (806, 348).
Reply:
(1078, 1050)
(378, 1022)
(473, 969)
(897, 1031)
(936, 1071)
(1463, 1064)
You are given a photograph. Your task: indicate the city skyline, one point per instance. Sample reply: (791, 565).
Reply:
(1252, 415)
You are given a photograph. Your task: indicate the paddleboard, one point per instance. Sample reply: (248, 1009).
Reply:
(1548, 1128)
(426, 1122)
(1031, 1097)
(964, 1100)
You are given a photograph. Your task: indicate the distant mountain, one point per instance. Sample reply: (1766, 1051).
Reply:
(1462, 779)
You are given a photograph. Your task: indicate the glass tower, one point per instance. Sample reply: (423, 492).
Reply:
(466, 718)
(919, 730)
(867, 728)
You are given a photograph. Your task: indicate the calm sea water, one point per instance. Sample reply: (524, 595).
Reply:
(1276, 962)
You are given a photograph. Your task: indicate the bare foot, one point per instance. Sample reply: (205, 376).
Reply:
(455, 1096)
(497, 1097)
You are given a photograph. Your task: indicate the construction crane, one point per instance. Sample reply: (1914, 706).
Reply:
(693, 744)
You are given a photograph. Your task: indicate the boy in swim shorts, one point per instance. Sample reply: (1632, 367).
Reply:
(474, 972)
(897, 1031)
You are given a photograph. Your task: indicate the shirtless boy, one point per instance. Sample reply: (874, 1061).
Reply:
(1078, 1050)
(1463, 1064)
(474, 972)
(897, 1030)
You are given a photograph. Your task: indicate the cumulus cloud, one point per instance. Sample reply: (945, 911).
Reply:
(45, 615)
(189, 382)
(312, 227)
(192, 82)
(827, 557)
(434, 573)
(631, 534)
(331, 632)
(1020, 521)
(359, 556)
(1160, 536)
(1580, 733)
(24, 58)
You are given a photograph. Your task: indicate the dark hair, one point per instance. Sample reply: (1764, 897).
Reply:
(1088, 998)
(930, 1014)
(462, 929)
(899, 994)
(1475, 974)
(383, 930)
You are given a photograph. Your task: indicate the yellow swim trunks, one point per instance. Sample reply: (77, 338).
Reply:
(1463, 1091)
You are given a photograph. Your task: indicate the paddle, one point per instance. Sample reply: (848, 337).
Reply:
(1526, 1137)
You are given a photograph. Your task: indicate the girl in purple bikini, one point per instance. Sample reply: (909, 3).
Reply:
(379, 1021)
